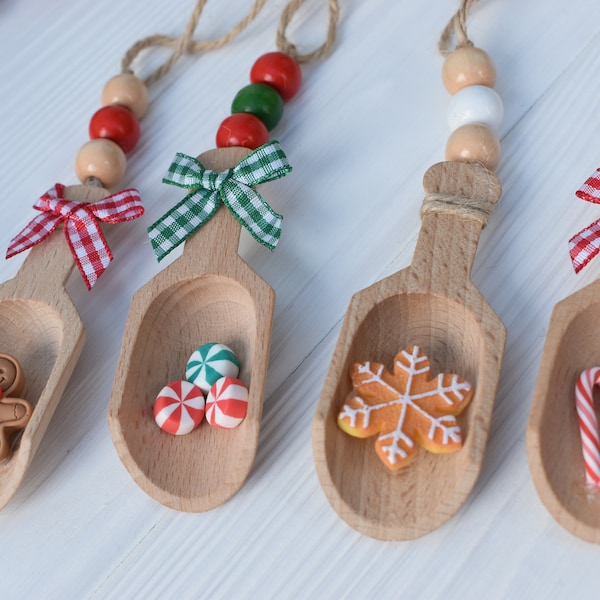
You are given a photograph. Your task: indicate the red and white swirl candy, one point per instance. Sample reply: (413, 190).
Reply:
(588, 425)
(227, 403)
(179, 407)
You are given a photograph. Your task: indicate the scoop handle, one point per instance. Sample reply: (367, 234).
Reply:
(460, 197)
(216, 242)
(50, 262)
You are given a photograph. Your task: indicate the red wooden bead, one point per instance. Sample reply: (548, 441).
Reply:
(242, 129)
(116, 123)
(279, 70)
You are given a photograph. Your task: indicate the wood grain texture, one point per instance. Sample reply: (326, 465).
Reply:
(209, 294)
(553, 438)
(41, 327)
(432, 304)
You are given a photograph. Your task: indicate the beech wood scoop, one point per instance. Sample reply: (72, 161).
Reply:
(433, 304)
(553, 438)
(209, 294)
(41, 328)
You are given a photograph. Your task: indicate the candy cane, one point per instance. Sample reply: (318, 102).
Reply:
(588, 425)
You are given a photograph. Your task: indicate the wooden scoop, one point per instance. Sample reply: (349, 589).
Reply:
(209, 294)
(40, 327)
(432, 304)
(553, 438)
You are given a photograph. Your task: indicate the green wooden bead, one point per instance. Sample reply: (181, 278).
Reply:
(262, 101)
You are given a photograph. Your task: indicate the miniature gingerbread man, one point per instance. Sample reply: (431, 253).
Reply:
(14, 412)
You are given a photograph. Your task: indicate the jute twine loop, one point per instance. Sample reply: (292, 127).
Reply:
(284, 45)
(456, 28)
(474, 209)
(187, 45)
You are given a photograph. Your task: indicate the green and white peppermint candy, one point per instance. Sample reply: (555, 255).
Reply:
(209, 363)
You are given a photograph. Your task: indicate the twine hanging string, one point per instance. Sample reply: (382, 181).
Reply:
(187, 45)
(284, 45)
(455, 33)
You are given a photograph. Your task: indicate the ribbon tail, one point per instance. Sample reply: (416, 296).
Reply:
(585, 245)
(88, 246)
(36, 231)
(251, 210)
(176, 225)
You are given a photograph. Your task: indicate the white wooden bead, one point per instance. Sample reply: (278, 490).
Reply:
(476, 104)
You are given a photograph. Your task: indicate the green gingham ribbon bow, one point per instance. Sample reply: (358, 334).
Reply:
(232, 187)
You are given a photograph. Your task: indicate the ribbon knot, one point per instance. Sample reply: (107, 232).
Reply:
(232, 187)
(583, 246)
(82, 231)
(214, 180)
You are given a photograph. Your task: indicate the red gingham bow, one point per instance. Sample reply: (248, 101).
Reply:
(84, 236)
(584, 245)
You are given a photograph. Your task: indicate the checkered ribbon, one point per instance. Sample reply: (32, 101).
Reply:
(584, 245)
(88, 245)
(210, 188)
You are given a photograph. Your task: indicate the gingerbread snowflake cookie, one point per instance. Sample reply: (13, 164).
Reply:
(405, 407)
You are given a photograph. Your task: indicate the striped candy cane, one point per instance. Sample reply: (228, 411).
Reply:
(588, 425)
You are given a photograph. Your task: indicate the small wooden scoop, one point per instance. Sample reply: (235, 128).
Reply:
(553, 438)
(40, 327)
(209, 294)
(432, 304)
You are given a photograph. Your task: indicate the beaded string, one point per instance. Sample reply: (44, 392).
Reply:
(475, 111)
(114, 129)
(275, 77)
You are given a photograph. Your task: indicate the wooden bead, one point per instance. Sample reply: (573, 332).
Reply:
(468, 66)
(116, 123)
(128, 91)
(261, 100)
(474, 143)
(476, 104)
(102, 159)
(242, 129)
(280, 71)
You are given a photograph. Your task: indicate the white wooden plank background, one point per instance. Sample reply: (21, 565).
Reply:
(366, 125)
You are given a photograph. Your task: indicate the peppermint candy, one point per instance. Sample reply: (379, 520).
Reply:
(209, 363)
(227, 403)
(179, 407)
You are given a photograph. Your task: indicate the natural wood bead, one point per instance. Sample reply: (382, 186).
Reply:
(127, 90)
(468, 66)
(103, 159)
(474, 143)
